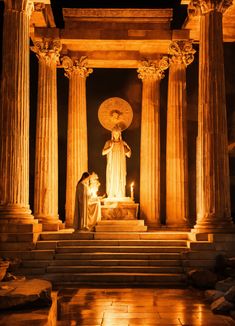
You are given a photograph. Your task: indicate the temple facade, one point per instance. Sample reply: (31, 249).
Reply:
(140, 39)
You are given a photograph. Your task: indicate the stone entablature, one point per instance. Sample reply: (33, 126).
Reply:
(196, 7)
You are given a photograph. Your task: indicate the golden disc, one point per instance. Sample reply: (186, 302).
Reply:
(115, 112)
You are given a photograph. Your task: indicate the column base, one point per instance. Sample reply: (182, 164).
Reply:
(16, 214)
(68, 224)
(50, 223)
(53, 226)
(214, 227)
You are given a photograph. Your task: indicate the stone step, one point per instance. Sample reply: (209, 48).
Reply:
(120, 228)
(128, 278)
(121, 249)
(160, 284)
(115, 256)
(125, 223)
(66, 235)
(101, 262)
(14, 246)
(175, 243)
(20, 228)
(19, 237)
(141, 235)
(114, 269)
(29, 255)
(197, 255)
(201, 245)
(53, 244)
(70, 235)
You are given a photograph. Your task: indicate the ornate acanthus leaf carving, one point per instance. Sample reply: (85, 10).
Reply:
(151, 70)
(47, 50)
(197, 7)
(181, 52)
(77, 66)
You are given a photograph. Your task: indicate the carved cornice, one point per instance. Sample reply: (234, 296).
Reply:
(202, 7)
(76, 66)
(20, 5)
(150, 70)
(47, 50)
(181, 52)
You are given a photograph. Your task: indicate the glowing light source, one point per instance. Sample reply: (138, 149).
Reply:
(132, 190)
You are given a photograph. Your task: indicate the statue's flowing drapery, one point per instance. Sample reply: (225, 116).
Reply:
(116, 167)
(87, 209)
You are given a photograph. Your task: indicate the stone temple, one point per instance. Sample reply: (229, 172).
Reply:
(59, 63)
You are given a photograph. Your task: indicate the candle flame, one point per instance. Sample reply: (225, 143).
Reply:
(132, 184)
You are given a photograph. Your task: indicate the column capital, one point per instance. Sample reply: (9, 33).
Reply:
(202, 7)
(151, 70)
(181, 52)
(19, 5)
(47, 50)
(76, 66)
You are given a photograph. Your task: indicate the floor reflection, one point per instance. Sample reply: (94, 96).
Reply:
(133, 307)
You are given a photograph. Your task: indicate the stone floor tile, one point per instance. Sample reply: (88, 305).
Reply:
(115, 322)
(116, 308)
(151, 322)
(133, 307)
(80, 322)
(139, 309)
(140, 315)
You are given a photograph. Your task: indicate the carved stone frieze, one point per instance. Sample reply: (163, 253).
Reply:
(47, 50)
(151, 70)
(201, 7)
(77, 66)
(181, 52)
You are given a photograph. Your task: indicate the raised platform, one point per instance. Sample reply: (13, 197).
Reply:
(119, 209)
(121, 226)
(104, 258)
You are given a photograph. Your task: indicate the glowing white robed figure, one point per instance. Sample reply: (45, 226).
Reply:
(87, 204)
(116, 150)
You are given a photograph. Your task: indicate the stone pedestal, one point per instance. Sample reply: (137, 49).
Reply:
(213, 193)
(46, 159)
(77, 151)
(150, 73)
(176, 146)
(119, 210)
(14, 118)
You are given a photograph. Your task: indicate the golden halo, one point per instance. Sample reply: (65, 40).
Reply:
(115, 112)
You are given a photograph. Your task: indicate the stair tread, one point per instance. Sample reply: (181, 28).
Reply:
(120, 274)
(122, 247)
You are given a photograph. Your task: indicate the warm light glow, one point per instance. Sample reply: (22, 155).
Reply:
(93, 185)
(132, 190)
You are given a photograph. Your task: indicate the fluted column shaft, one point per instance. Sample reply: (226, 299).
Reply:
(213, 198)
(14, 118)
(151, 74)
(176, 146)
(77, 149)
(46, 159)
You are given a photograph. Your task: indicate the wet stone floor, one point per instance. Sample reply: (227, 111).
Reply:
(133, 307)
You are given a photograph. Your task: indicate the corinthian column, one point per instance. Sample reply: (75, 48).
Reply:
(150, 73)
(77, 151)
(176, 146)
(14, 116)
(46, 160)
(213, 198)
